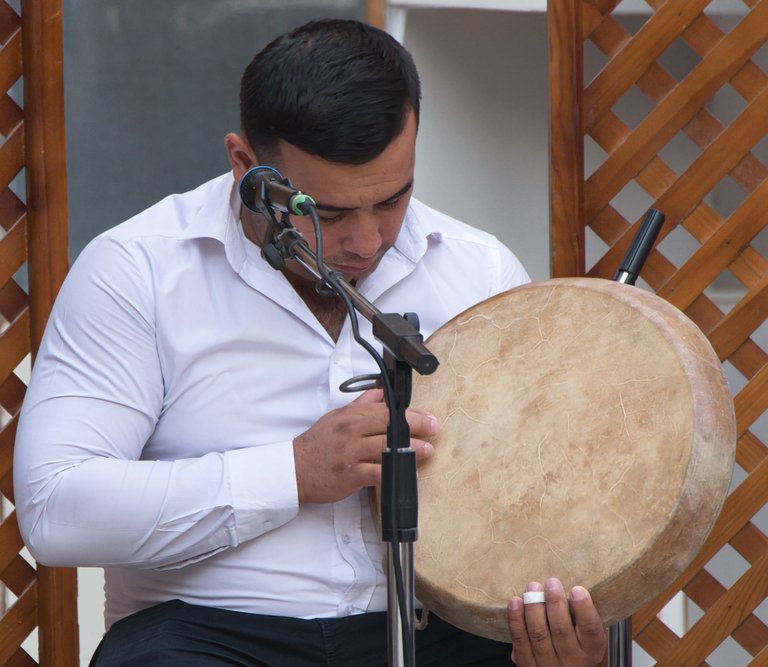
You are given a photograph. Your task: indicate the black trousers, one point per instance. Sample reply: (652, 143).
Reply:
(176, 634)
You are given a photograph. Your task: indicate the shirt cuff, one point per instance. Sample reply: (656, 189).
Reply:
(263, 486)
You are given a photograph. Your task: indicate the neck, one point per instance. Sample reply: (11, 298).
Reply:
(329, 310)
(255, 226)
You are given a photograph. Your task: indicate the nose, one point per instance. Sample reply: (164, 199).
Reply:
(364, 237)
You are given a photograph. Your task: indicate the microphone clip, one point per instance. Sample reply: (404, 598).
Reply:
(280, 242)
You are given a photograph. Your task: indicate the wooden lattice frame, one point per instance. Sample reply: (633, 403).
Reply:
(33, 235)
(582, 109)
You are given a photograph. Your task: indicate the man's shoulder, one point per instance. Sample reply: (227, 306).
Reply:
(455, 249)
(436, 223)
(155, 238)
(460, 245)
(174, 214)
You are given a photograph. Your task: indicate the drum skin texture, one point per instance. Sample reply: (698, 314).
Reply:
(587, 433)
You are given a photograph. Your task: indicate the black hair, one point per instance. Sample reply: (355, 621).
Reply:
(338, 89)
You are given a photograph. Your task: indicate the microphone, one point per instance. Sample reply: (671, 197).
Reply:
(264, 186)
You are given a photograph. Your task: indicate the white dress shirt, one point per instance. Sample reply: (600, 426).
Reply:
(176, 369)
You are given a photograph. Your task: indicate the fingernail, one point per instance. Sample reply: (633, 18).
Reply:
(515, 604)
(579, 593)
(534, 586)
(434, 425)
(428, 449)
(553, 585)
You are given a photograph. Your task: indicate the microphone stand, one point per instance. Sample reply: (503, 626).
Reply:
(403, 353)
(620, 633)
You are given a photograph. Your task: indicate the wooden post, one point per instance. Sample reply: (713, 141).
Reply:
(376, 13)
(566, 170)
(46, 192)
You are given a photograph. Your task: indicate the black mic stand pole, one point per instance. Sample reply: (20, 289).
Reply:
(399, 501)
(620, 633)
(403, 353)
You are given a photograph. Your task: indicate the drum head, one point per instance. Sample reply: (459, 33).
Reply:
(587, 433)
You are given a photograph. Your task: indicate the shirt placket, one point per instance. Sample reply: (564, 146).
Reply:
(347, 513)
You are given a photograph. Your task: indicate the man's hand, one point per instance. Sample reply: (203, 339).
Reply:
(544, 635)
(341, 452)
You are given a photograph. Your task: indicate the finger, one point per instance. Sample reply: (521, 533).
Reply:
(561, 629)
(367, 474)
(423, 424)
(371, 396)
(538, 629)
(364, 418)
(589, 626)
(422, 448)
(371, 447)
(369, 469)
(522, 652)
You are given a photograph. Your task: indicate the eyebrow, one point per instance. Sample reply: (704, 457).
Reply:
(397, 195)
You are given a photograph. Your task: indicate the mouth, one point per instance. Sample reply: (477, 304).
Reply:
(353, 271)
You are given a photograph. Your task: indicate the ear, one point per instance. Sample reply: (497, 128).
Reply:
(240, 154)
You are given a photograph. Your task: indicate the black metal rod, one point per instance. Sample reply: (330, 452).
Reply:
(620, 634)
(638, 252)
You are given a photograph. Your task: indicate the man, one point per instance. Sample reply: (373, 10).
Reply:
(184, 427)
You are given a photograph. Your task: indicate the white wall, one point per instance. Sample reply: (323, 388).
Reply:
(482, 147)
(90, 610)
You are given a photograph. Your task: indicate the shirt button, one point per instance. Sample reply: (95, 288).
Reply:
(348, 611)
(345, 538)
(267, 525)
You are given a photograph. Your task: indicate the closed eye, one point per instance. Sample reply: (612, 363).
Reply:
(329, 214)
(389, 204)
(396, 198)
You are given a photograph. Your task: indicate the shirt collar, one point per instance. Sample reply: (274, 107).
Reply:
(219, 218)
(402, 259)
(416, 232)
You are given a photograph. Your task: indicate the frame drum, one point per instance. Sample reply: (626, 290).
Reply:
(587, 433)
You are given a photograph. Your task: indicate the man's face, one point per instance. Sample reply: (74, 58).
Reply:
(361, 207)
